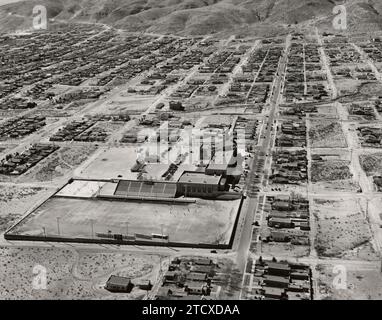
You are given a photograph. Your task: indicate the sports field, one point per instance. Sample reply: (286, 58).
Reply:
(209, 222)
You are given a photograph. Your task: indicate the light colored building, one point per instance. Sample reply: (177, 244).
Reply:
(195, 184)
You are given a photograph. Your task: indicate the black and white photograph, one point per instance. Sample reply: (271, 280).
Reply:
(213, 151)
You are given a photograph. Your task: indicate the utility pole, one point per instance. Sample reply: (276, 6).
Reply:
(44, 230)
(92, 226)
(160, 265)
(58, 226)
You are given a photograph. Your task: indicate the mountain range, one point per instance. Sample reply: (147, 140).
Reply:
(199, 17)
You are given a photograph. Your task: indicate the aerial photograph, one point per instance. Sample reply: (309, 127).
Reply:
(204, 150)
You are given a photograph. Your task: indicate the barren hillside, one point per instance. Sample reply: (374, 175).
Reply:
(192, 17)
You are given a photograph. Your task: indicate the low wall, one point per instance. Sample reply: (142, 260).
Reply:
(17, 237)
(158, 199)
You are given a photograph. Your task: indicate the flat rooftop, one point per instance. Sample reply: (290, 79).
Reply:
(199, 178)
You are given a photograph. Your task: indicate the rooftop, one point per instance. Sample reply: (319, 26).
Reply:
(278, 265)
(118, 281)
(199, 178)
(276, 279)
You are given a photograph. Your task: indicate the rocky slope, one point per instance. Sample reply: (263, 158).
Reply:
(191, 17)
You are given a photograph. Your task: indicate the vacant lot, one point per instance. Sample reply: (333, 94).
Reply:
(342, 230)
(330, 170)
(284, 250)
(122, 103)
(326, 134)
(110, 163)
(71, 274)
(15, 201)
(363, 282)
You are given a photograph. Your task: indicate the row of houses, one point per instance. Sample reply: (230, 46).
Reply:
(298, 110)
(289, 167)
(21, 126)
(35, 62)
(190, 279)
(373, 49)
(270, 65)
(364, 110)
(370, 136)
(72, 130)
(289, 213)
(378, 105)
(252, 86)
(118, 117)
(17, 104)
(103, 59)
(288, 220)
(18, 163)
(291, 133)
(341, 53)
(273, 280)
(378, 182)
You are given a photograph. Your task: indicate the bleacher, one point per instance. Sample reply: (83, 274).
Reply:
(146, 189)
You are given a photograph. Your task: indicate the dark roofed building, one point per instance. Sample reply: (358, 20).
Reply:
(278, 269)
(276, 281)
(202, 269)
(196, 276)
(203, 262)
(119, 284)
(281, 205)
(280, 223)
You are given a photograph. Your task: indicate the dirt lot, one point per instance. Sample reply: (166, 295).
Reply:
(201, 222)
(354, 90)
(284, 250)
(4, 148)
(15, 201)
(122, 103)
(330, 170)
(110, 163)
(362, 283)
(337, 185)
(342, 229)
(333, 172)
(326, 134)
(71, 274)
